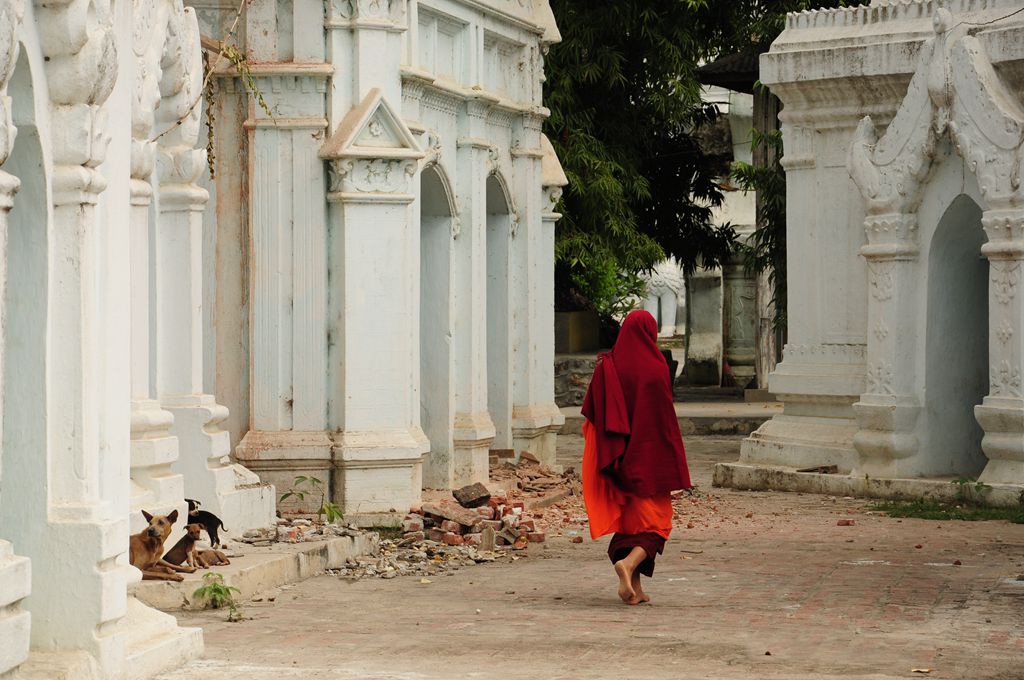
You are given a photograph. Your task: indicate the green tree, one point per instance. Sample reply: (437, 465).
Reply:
(625, 106)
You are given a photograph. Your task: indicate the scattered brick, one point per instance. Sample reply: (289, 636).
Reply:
(535, 537)
(472, 539)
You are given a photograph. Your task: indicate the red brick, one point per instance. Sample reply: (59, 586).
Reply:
(577, 539)
(414, 536)
(451, 526)
(436, 534)
(412, 524)
(452, 539)
(535, 537)
(486, 512)
(528, 524)
(471, 539)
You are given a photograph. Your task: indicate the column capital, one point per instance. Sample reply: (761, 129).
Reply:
(891, 236)
(1005, 230)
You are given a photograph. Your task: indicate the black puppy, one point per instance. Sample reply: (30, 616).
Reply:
(210, 522)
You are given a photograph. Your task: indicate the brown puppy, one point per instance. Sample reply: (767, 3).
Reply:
(185, 549)
(213, 558)
(145, 548)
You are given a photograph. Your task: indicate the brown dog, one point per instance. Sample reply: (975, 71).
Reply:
(213, 558)
(146, 547)
(185, 549)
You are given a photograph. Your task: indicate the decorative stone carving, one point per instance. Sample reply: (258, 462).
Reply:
(362, 9)
(10, 17)
(376, 175)
(1005, 277)
(1005, 380)
(81, 69)
(372, 150)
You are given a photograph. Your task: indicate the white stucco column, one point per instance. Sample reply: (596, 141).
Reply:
(287, 434)
(474, 428)
(228, 490)
(887, 413)
(15, 571)
(71, 517)
(822, 372)
(536, 419)
(378, 444)
(1001, 414)
(154, 487)
(288, 314)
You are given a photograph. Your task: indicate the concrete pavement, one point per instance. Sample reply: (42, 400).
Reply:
(761, 585)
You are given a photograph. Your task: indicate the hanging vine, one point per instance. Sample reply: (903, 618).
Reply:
(224, 49)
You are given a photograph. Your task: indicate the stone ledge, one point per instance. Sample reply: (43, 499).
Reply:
(773, 478)
(259, 570)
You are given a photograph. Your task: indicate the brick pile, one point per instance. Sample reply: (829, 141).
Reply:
(498, 523)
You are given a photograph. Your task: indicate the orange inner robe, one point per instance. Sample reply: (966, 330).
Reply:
(612, 510)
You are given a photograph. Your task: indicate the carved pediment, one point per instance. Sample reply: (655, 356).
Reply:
(954, 90)
(372, 130)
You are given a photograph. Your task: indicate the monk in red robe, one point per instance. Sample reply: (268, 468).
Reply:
(633, 456)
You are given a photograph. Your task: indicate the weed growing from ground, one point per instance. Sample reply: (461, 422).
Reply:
(219, 594)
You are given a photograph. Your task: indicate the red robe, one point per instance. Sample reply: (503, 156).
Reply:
(629, 402)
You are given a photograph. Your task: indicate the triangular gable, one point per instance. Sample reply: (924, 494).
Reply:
(372, 130)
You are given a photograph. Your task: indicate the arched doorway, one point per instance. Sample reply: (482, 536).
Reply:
(437, 403)
(499, 318)
(956, 337)
(23, 499)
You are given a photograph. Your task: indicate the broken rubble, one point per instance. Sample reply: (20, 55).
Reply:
(472, 496)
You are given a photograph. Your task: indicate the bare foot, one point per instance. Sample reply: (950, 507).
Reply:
(626, 592)
(638, 589)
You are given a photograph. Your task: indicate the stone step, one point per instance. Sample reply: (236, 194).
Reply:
(154, 643)
(259, 570)
(701, 419)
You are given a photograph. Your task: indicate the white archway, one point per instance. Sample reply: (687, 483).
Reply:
(954, 92)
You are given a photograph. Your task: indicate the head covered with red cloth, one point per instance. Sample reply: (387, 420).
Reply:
(630, 405)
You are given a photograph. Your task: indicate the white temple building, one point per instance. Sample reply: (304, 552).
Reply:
(904, 143)
(367, 292)
(383, 283)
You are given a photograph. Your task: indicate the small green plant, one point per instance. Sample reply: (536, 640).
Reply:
(311, 486)
(218, 594)
(969, 490)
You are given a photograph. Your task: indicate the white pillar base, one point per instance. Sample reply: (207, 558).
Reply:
(155, 487)
(1003, 422)
(15, 585)
(226, 489)
(154, 643)
(80, 589)
(377, 475)
(472, 438)
(278, 457)
(535, 429)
